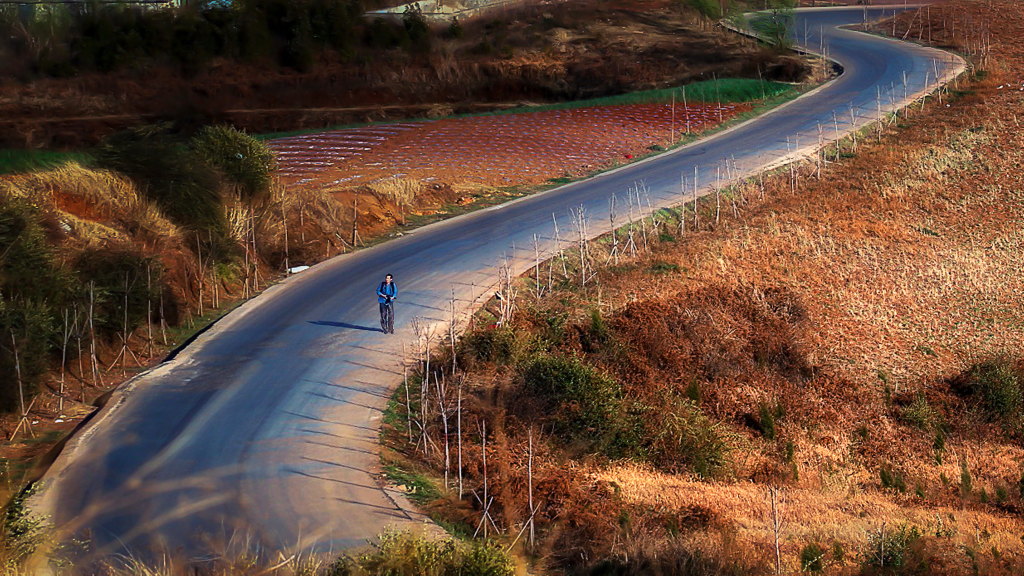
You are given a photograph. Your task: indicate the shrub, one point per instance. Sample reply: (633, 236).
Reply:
(416, 28)
(768, 416)
(812, 558)
(893, 550)
(597, 334)
(996, 386)
(489, 345)
(163, 168)
(244, 161)
(27, 327)
(892, 479)
(587, 402)
(32, 286)
(684, 437)
(919, 413)
(403, 554)
(120, 286)
(707, 8)
(966, 482)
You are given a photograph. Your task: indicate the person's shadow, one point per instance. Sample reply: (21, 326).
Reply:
(344, 325)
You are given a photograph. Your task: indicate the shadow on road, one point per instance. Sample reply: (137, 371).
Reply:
(344, 325)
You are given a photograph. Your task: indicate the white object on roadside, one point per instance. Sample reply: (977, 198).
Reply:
(297, 269)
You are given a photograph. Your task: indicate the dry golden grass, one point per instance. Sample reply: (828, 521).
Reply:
(97, 205)
(812, 515)
(401, 191)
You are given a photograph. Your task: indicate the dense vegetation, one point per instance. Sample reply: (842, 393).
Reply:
(159, 194)
(62, 41)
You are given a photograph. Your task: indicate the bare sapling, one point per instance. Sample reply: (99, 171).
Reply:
(695, 178)
(853, 126)
(672, 131)
(835, 121)
(458, 431)
(682, 205)
(163, 319)
(531, 510)
(66, 337)
(149, 310)
(879, 120)
(640, 215)
(442, 404)
(686, 111)
(558, 245)
(580, 221)
(506, 294)
(95, 364)
(355, 221)
(201, 275)
(486, 501)
(451, 331)
(718, 193)
(284, 222)
(21, 391)
(775, 499)
(613, 254)
(537, 287)
(643, 190)
(255, 252)
(529, 490)
(408, 403)
(630, 230)
(79, 334)
(246, 279)
(125, 336)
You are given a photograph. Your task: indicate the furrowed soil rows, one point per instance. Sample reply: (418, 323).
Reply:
(501, 150)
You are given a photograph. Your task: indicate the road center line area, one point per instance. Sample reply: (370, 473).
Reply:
(264, 431)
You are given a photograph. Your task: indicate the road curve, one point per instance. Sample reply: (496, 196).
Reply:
(263, 432)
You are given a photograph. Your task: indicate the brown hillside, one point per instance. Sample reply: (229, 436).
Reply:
(819, 340)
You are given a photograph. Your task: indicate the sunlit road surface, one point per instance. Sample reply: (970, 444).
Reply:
(262, 434)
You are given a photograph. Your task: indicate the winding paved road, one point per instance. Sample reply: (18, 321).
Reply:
(263, 432)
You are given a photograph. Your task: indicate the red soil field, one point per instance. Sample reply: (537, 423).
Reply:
(500, 150)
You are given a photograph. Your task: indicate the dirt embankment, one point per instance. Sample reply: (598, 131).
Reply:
(534, 53)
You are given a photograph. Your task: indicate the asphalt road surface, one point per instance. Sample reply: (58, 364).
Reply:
(263, 432)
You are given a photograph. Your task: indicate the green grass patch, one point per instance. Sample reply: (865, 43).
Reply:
(14, 161)
(418, 487)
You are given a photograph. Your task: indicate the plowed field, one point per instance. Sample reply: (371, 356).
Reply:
(500, 150)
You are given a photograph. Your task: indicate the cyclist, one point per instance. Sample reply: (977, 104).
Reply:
(387, 291)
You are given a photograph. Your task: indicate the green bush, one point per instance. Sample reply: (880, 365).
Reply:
(768, 417)
(489, 345)
(707, 8)
(812, 558)
(158, 160)
(120, 286)
(919, 413)
(244, 161)
(402, 554)
(996, 386)
(594, 337)
(587, 402)
(893, 550)
(33, 286)
(892, 479)
(27, 330)
(682, 436)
